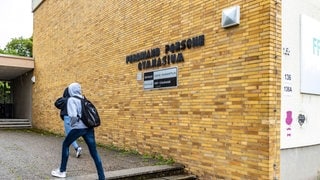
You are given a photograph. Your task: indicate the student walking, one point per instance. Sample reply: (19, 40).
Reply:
(78, 129)
(61, 104)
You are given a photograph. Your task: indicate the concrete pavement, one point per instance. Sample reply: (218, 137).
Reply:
(26, 154)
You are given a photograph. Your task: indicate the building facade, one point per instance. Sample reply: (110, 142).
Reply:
(168, 79)
(300, 100)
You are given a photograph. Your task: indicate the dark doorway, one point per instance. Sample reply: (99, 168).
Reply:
(6, 100)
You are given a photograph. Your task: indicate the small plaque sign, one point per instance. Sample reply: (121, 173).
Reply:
(164, 78)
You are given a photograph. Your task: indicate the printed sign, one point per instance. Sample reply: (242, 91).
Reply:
(310, 55)
(163, 78)
(287, 84)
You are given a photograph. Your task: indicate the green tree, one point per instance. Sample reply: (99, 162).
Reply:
(18, 47)
(5, 92)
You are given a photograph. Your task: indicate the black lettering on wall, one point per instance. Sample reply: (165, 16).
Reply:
(183, 44)
(189, 44)
(180, 58)
(151, 58)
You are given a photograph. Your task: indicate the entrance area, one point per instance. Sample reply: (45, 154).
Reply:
(6, 100)
(16, 91)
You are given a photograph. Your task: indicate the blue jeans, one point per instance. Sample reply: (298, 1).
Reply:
(88, 136)
(67, 129)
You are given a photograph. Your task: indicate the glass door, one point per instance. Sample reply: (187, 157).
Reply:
(6, 100)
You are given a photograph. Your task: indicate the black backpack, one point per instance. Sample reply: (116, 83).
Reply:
(89, 115)
(61, 104)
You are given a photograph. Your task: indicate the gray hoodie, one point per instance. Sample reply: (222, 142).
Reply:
(74, 106)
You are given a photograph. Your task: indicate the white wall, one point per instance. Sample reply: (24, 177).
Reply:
(300, 144)
(23, 96)
(300, 163)
(300, 86)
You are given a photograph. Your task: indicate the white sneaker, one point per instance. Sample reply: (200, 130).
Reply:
(78, 152)
(57, 173)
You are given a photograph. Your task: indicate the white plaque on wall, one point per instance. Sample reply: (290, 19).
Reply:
(310, 55)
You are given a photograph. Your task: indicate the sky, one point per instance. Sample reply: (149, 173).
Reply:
(16, 20)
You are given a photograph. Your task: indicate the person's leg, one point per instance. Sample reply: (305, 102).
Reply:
(91, 142)
(72, 136)
(67, 128)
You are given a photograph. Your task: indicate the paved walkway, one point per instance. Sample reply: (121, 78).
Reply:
(25, 154)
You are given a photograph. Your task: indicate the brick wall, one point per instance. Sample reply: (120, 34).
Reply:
(222, 121)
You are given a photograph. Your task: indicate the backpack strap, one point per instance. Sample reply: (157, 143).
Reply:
(81, 99)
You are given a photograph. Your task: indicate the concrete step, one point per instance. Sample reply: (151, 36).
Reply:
(162, 172)
(15, 123)
(177, 177)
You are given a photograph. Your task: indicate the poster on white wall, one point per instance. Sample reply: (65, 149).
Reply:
(310, 55)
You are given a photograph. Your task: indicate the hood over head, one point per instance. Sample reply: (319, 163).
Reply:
(75, 89)
(66, 93)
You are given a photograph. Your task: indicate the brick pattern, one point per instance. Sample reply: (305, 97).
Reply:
(222, 121)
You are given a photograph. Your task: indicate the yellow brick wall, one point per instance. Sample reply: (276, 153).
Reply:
(222, 121)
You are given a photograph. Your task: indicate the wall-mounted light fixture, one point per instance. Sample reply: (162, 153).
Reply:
(230, 16)
(33, 79)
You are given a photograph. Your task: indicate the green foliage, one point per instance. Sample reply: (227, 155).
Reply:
(18, 47)
(161, 160)
(5, 92)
